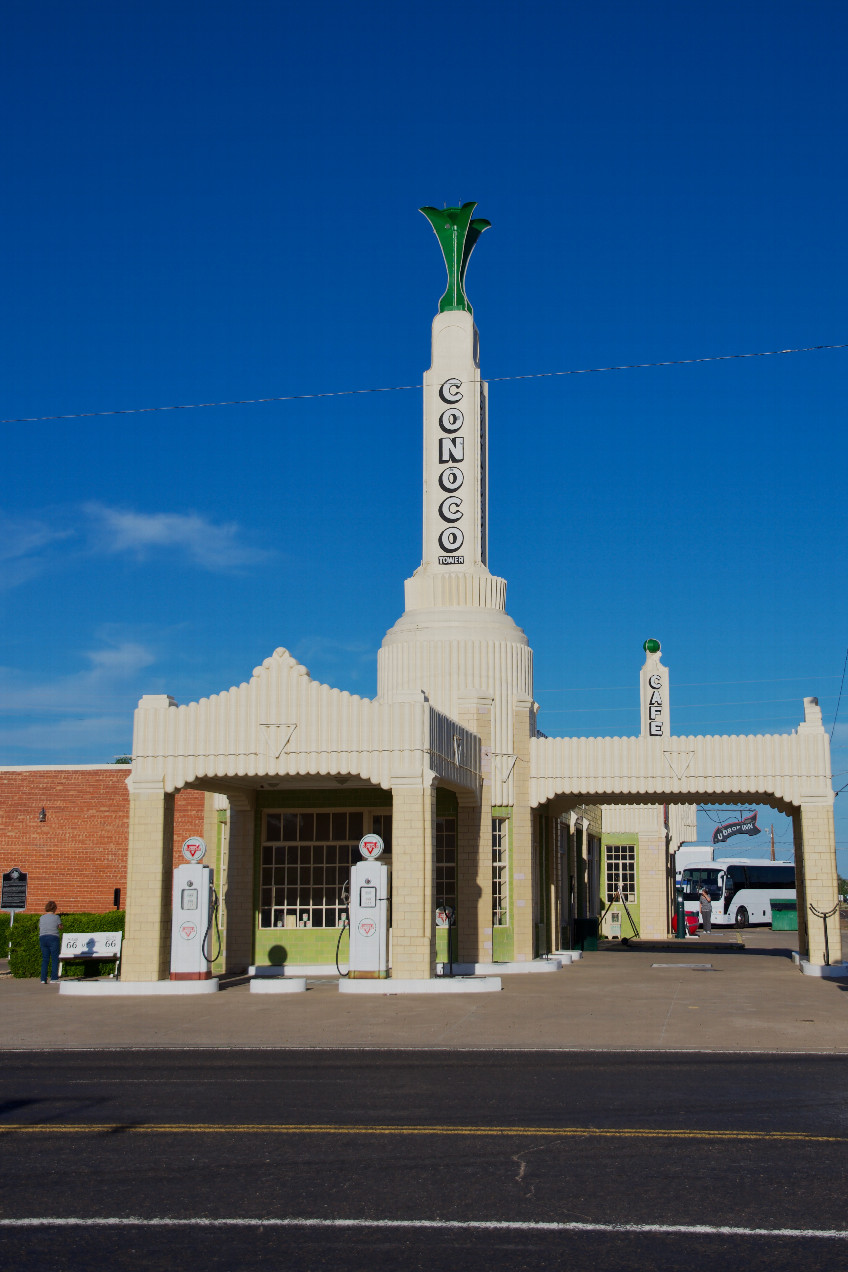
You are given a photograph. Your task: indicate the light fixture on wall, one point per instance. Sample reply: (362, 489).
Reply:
(42, 816)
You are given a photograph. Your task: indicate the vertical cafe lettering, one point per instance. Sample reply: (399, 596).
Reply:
(655, 707)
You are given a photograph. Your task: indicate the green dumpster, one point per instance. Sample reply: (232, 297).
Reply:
(586, 934)
(784, 915)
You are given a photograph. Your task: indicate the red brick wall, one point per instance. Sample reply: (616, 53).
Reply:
(78, 856)
(188, 821)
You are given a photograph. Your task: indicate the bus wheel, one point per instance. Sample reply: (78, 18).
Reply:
(741, 917)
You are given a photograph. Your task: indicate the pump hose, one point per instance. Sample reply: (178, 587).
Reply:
(213, 919)
(339, 946)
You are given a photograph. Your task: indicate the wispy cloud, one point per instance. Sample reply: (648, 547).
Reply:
(32, 546)
(210, 546)
(23, 544)
(108, 683)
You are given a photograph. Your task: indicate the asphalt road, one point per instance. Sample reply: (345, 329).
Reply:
(378, 1160)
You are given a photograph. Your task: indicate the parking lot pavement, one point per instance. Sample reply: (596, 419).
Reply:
(682, 997)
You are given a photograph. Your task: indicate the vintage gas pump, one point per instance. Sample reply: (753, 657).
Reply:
(370, 882)
(194, 914)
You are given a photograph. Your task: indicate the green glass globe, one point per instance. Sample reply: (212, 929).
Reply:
(651, 646)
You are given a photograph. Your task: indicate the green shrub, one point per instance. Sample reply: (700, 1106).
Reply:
(25, 951)
(4, 935)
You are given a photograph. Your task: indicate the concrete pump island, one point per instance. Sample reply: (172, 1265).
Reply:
(490, 843)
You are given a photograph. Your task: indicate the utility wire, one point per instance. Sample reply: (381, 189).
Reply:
(403, 388)
(682, 706)
(839, 699)
(696, 684)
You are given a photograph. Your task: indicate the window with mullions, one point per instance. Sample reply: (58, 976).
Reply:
(500, 858)
(446, 861)
(306, 861)
(381, 824)
(621, 871)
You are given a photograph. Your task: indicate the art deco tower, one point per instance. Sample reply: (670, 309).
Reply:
(455, 640)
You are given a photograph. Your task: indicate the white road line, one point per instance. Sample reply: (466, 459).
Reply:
(425, 1050)
(429, 1225)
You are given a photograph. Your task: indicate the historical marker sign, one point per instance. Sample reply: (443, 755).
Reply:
(14, 890)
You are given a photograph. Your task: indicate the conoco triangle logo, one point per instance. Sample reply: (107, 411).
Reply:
(371, 845)
(194, 849)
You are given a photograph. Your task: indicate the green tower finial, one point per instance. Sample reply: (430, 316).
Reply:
(651, 646)
(457, 235)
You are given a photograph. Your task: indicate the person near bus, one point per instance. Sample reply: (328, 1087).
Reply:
(706, 909)
(49, 927)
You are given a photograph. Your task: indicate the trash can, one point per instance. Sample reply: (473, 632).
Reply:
(586, 934)
(784, 915)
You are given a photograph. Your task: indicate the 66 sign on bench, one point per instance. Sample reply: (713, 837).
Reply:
(84, 947)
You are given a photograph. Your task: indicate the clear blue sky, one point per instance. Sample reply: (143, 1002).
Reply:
(207, 201)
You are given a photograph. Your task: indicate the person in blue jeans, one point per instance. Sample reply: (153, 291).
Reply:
(49, 927)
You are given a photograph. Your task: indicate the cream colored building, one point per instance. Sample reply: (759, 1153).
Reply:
(477, 806)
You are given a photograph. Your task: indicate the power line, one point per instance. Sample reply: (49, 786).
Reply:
(750, 720)
(404, 388)
(696, 684)
(839, 699)
(683, 706)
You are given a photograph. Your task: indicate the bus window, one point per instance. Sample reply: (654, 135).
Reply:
(696, 878)
(736, 877)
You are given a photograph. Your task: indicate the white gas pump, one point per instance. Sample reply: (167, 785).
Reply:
(369, 913)
(193, 916)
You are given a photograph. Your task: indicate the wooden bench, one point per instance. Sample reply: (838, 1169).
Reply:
(88, 947)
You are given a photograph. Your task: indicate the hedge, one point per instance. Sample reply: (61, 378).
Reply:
(4, 934)
(25, 951)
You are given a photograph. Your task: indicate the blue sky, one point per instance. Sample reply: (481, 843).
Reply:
(217, 201)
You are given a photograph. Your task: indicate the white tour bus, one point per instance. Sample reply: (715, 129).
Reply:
(741, 888)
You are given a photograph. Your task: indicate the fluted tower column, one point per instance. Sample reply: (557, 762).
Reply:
(455, 635)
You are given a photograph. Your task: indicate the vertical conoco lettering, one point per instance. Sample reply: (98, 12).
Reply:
(451, 450)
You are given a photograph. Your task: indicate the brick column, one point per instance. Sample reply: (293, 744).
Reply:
(237, 891)
(552, 869)
(474, 841)
(522, 836)
(653, 924)
(413, 861)
(815, 867)
(146, 953)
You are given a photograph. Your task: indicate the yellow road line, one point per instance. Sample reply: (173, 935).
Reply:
(565, 1132)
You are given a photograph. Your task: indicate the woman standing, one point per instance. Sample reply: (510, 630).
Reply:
(706, 909)
(49, 927)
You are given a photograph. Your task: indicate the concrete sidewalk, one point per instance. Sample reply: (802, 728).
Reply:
(754, 1000)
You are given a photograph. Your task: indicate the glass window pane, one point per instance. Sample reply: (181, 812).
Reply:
(339, 827)
(355, 824)
(306, 827)
(290, 827)
(322, 826)
(273, 826)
